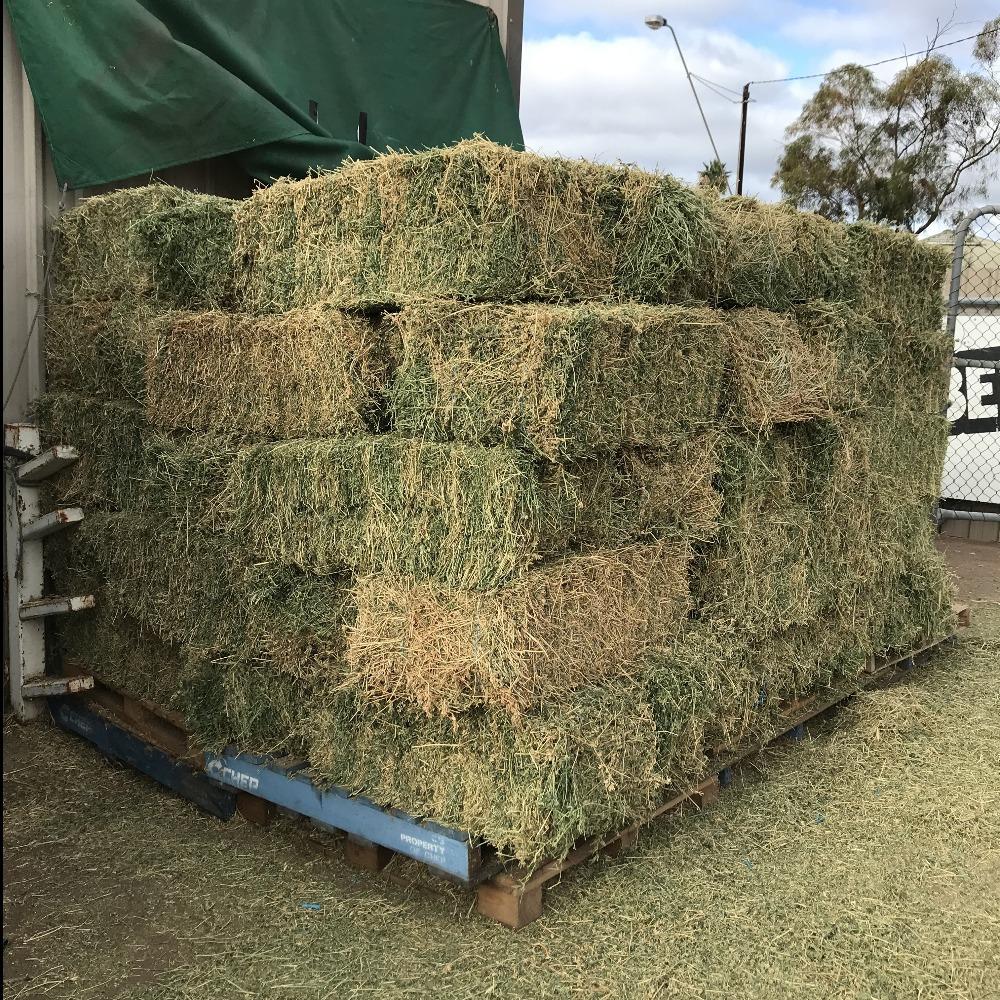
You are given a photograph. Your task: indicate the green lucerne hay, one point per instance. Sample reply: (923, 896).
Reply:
(467, 516)
(196, 589)
(189, 246)
(109, 438)
(581, 766)
(98, 348)
(776, 375)
(309, 372)
(722, 684)
(897, 279)
(560, 381)
(760, 573)
(108, 247)
(251, 704)
(773, 256)
(880, 364)
(264, 240)
(121, 655)
(476, 221)
(671, 493)
(448, 650)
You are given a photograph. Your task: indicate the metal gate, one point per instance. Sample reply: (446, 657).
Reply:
(970, 487)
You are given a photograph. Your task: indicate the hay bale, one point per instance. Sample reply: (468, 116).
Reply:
(532, 788)
(189, 249)
(250, 704)
(467, 516)
(776, 375)
(896, 278)
(112, 247)
(773, 256)
(531, 642)
(98, 348)
(880, 364)
(475, 221)
(309, 372)
(559, 381)
(761, 574)
(109, 437)
(264, 247)
(198, 590)
(120, 654)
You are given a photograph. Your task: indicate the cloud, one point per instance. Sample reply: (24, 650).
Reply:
(627, 98)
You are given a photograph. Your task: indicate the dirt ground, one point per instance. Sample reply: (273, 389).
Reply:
(861, 863)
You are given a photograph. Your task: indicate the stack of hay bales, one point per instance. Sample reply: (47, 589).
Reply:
(503, 488)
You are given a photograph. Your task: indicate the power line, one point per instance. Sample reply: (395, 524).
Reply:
(813, 76)
(881, 62)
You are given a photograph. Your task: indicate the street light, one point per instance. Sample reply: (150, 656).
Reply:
(656, 21)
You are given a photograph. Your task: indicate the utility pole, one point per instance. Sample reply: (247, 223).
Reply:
(743, 138)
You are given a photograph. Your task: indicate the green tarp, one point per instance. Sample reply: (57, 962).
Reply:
(126, 87)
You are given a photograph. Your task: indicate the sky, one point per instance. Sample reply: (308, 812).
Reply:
(596, 82)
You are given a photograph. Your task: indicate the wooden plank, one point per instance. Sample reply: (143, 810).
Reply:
(159, 726)
(363, 854)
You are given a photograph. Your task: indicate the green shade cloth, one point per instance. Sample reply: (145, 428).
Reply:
(126, 87)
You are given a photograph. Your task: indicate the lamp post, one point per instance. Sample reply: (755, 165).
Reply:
(656, 21)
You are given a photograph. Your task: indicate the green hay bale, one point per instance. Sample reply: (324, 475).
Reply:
(725, 685)
(467, 516)
(559, 381)
(249, 704)
(476, 221)
(579, 767)
(880, 364)
(760, 573)
(309, 372)
(264, 240)
(109, 437)
(110, 247)
(773, 256)
(447, 650)
(776, 375)
(189, 247)
(98, 348)
(198, 590)
(897, 279)
(121, 655)
(671, 493)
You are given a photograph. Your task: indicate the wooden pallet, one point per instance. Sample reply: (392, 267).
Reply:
(514, 897)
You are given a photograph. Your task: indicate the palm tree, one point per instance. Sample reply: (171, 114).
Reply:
(715, 176)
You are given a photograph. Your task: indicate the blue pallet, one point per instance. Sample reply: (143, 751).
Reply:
(449, 851)
(119, 744)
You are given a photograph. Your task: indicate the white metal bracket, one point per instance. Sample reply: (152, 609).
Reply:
(27, 604)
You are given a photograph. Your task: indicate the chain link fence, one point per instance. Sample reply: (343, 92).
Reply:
(971, 481)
